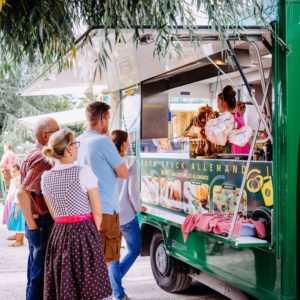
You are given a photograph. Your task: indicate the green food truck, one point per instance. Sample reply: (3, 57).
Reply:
(176, 182)
(162, 103)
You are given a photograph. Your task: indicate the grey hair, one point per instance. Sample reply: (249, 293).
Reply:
(41, 126)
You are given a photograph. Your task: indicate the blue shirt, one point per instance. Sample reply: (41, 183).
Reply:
(101, 155)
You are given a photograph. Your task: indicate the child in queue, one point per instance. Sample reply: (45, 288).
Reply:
(16, 220)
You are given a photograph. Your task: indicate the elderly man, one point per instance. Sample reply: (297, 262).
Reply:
(35, 210)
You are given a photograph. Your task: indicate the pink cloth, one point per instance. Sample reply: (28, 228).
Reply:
(218, 224)
(8, 160)
(234, 148)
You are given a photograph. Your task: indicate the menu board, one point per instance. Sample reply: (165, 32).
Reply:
(200, 186)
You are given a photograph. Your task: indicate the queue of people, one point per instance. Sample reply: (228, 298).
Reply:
(78, 198)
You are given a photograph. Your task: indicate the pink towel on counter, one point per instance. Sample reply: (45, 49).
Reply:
(218, 224)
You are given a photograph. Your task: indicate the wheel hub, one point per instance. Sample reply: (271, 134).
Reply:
(161, 258)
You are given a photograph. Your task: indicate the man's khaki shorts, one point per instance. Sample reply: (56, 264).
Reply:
(111, 237)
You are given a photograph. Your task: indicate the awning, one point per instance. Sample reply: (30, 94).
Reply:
(75, 116)
(127, 65)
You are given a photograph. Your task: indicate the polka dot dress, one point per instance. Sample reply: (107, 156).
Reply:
(75, 267)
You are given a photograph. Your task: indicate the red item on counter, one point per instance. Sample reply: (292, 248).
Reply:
(218, 224)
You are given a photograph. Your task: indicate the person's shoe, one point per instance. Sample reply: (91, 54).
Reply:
(16, 244)
(12, 237)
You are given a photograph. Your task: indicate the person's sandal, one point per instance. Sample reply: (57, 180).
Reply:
(16, 244)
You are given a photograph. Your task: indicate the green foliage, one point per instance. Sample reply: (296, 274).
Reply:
(13, 106)
(34, 27)
(45, 29)
(77, 129)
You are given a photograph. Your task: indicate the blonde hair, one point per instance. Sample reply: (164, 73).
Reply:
(58, 143)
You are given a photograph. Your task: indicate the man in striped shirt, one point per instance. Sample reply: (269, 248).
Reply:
(35, 210)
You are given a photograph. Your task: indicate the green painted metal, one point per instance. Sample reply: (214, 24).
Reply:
(253, 270)
(286, 147)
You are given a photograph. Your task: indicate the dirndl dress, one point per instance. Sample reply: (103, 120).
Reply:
(75, 267)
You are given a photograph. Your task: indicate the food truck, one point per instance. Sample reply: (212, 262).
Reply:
(181, 177)
(177, 182)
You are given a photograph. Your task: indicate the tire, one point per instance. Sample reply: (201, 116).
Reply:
(163, 267)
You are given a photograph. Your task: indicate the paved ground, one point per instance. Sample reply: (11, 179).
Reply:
(139, 282)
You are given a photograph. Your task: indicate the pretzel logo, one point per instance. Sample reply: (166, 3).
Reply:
(261, 184)
(254, 184)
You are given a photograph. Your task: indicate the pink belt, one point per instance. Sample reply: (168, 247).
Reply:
(73, 219)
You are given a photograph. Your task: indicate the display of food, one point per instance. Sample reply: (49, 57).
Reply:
(170, 194)
(196, 198)
(203, 145)
(150, 189)
(225, 199)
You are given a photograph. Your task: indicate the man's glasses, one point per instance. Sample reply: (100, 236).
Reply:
(75, 143)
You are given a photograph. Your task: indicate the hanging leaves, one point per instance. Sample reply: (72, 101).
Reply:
(45, 29)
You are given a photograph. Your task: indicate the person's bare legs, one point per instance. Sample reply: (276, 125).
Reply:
(20, 238)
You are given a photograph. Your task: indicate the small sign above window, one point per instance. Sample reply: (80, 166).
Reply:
(188, 100)
(185, 93)
(187, 104)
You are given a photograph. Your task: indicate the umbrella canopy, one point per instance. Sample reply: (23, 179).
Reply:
(74, 116)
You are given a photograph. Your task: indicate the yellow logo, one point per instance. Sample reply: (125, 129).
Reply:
(256, 183)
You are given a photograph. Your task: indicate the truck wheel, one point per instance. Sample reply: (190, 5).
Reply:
(163, 267)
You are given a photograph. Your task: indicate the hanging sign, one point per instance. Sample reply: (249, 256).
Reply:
(188, 100)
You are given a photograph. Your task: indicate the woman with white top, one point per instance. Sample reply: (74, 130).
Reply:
(129, 199)
(74, 267)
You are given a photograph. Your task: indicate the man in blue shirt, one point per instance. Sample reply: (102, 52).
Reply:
(99, 152)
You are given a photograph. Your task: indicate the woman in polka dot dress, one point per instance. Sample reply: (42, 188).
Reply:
(75, 267)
